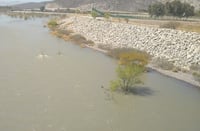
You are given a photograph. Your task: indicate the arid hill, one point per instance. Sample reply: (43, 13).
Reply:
(122, 5)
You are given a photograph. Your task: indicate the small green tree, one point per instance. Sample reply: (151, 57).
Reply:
(42, 8)
(128, 76)
(130, 70)
(179, 9)
(176, 8)
(173, 8)
(157, 9)
(188, 10)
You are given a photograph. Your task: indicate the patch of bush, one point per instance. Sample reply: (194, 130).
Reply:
(104, 47)
(195, 67)
(163, 63)
(176, 69)
(127, 55)
(116, 52)
(170, 25)
(64, 32)
(79, 39)
(197, 13)
(132, 64)
(90, 43)
(196, 76)
(52, 23)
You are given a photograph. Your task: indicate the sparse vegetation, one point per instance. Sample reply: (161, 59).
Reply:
(195, 67)
(107, 15)
(104, 47)
(131, 66)
(64, 32)
(127, 20)
(170, 25)
(163, 64)
(78, 39)
(81, 40)
(52, 23)
(117, 52)
(197, 13)
(196, 76)
(94, 14)
(128, 76)
(69, 35)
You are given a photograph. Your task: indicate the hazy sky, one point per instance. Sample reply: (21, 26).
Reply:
(10, 2)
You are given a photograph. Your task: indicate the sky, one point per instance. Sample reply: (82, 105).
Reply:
(11, 2)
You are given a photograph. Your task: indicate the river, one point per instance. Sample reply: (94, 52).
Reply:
(47, 84)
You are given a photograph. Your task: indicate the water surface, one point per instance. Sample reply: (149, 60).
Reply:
(62, 91)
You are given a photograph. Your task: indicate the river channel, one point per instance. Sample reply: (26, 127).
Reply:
(48, 84)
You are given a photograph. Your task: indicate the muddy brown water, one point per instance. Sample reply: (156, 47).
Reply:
(47, 84)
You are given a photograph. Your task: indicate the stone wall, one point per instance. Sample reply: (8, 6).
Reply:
(181, 48)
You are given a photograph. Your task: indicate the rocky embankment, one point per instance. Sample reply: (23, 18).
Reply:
(179, 47)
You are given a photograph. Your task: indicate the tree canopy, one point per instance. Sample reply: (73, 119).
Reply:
(157, 9)
(131, 66)
(174, 8)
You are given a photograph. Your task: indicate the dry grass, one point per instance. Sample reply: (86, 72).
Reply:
(104, 47)
(163, 64)
(195, 67)
(170, 25)
(189, 26)
(69, 35)
(196, 76)
(129, 55)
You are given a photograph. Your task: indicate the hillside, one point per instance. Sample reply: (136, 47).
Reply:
(30, 5)
(125, 5)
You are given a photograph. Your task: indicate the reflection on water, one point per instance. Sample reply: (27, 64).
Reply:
(47, 84)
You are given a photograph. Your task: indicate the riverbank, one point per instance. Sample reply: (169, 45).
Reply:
(180, 48)
(185, 77)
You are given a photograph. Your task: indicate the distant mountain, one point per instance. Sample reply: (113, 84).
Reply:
(114, 5)
(122, 5)
(17, 2)
(30, 5)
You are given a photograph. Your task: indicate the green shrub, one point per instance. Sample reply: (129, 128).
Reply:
(65, 32)
(52, 23)
(132, 64)
(79, 39)
(90, 43)
(94, 14)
